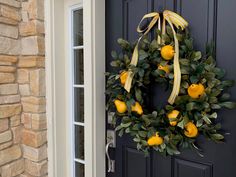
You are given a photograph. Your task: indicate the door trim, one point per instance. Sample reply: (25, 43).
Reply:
(94, 54)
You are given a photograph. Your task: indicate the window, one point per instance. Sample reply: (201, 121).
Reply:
(77, 58)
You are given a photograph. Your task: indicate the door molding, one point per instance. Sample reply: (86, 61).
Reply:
(57, 91)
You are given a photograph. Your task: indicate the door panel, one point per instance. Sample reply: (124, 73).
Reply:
(209, 21)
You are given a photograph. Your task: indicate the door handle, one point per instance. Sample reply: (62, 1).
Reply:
(111, 163)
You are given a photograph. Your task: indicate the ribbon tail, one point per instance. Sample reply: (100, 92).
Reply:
(163, 30)
(177, 71)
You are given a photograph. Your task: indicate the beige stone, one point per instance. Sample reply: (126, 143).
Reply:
(8, 89)
(22, 76)
(7, 78)
(31, 61)
(33, 45)
(24, 16)
(5, 145)
(8, 21)
(27, 120)
(7, 69)
(35, 154)
(9, 110)
(9, 99)
(5, 63)
(15, 121)
(5, 136)
(10, 12)
(39, 121)
(13, 169)
(36, 169)
(34, 139)
(34, 104)
(16, 131)
(31, 28)
(3, 125)
(36, 9)
(9, 46)
(7, 58)
(8, 31)
(37, 82)
(24, 89)
(12, 3)
(10, 154)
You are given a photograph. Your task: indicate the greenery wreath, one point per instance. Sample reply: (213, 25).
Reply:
(191, 112)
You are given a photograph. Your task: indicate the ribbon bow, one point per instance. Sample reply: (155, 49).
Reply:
(173, 19)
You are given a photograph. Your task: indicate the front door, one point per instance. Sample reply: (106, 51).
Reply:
(210, 20)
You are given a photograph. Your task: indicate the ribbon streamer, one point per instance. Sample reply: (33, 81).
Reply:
(173, 19)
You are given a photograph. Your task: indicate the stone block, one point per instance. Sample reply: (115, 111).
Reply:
(33, 45)
(9, 99)
(15, 121)
(5, 145)
(36, 9)
(27, 120)
(31, 61)
(4, 125)
(31, 28)
(16, 131)
(22, 76)
(8, 21)
(34, 104)
(36, 169)
(24, 89)
(10, 154)
(34, 139)
(10, 12)
(9, 110)
(12, 3)
(8, 89)
(13, 169)
(7, 69)
(35, 154)
(8, 31)
(7, 58)
(39, 122)
(10, 46)
(37, 82)
(5, 136)
(6, 78)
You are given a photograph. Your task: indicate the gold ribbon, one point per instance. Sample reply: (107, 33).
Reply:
(173, 19)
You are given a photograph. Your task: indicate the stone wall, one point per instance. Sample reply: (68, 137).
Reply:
(23, 134)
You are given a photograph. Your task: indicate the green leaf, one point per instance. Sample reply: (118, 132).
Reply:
(143, 134)
(142, 54)
(215, 106)
(138, 95)
(213, 115)
(206, 119)
(126, 124)
(197, 56)
(229, 105)
(217, 136)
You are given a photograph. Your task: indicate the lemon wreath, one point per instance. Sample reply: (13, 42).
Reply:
(197, 84)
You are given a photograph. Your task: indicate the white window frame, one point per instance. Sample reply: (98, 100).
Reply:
(58, 87)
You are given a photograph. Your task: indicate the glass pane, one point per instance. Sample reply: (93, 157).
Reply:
(79, 104)
(79, 142)
(79, 66)
(79, 170)
(78, 27)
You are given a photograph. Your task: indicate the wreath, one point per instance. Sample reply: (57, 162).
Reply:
(197, 84)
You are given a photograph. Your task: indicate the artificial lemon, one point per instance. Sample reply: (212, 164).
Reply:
(164, 68)
(196, 90)
(120, 106)
(173, 115)
(137, 108)
(155, 140)
(190, 130)
(167, 52)
(123, 77)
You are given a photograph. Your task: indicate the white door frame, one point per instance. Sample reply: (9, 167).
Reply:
(58, 102)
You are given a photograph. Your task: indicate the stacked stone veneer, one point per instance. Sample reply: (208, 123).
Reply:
(23, 134)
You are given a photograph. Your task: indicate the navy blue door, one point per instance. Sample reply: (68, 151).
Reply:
(209, 21)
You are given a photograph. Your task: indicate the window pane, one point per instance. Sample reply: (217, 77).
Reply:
(79, 142)
(79, 170)
(78, 27)
(79, 104)
(79, 66)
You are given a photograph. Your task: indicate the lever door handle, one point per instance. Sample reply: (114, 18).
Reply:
(111, 163)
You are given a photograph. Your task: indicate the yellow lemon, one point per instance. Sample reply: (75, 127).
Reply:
(173, 115)
(137, 108)
(190, 130)
(123, 77)
(120, 106)
(196, 90)
(155, 140)
(167, 52)
(164, 68)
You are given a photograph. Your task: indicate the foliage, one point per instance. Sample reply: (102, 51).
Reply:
(195, 68)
